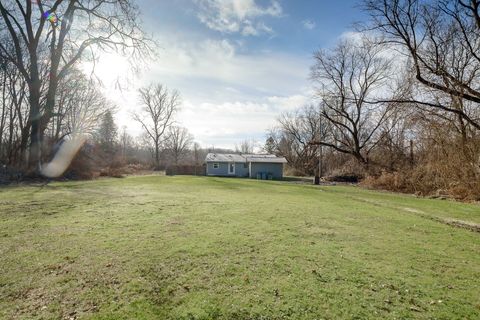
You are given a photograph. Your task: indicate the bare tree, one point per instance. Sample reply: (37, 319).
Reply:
(13, 113)
(48, 44)
(126, 143)
(79, 106)
(293, 136)
(178, 142)
(246, 146)
(350, 75)
(442, 40)
(196, 155)
(157, 114)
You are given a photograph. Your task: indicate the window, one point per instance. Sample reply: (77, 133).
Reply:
(216, 165)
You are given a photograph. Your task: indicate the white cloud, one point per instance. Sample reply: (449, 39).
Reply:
(354, 36)
(309, 24)
(231, 95)
(225, 124)
(223, 63)
(289, 103)
(237, 16)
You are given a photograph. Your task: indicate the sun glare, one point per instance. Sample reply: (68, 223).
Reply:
(111, 69)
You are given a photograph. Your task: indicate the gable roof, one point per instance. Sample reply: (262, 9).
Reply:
(244, 158)
(224, 157)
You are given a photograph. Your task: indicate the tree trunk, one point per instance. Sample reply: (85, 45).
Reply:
(36, 133)
(35, 117)
(25, 133)
(35, 149)
(412, 156)
(4, 112)
(319, 170)
(157, 156)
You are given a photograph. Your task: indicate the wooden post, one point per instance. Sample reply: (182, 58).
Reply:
(318, 170)
(321, 162)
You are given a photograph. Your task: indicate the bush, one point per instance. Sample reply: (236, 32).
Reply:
(294, 172)
(424, 181)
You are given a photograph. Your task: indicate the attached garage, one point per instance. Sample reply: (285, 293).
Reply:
(271, 167)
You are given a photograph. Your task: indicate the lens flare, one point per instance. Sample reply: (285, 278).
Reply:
(52, 17)
(64, 156)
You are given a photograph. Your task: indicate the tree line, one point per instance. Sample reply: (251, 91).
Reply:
(46, 98)
(82, 109)
(42, 44)
(396, 103)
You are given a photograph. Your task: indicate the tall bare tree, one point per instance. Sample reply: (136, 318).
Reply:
(348, 77)
(442, 40)
(126, 143)
(196, 153)
(157, 114)
(50, 37)
(178, 142)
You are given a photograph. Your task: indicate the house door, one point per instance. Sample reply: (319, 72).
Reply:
(231, 168)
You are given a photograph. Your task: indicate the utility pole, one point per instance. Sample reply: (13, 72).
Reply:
(316, 181)
(319, 170)
(320, 162)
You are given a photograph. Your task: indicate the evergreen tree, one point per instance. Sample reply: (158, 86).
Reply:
(270, 146)
(107, 133)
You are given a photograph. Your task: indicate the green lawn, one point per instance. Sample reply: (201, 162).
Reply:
(156, 247)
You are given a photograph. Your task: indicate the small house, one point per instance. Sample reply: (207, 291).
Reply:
(255, 166)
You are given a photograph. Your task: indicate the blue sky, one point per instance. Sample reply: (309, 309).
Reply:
(238, 64)
(290, 34)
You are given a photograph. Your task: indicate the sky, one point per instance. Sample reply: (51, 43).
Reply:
(238, 64)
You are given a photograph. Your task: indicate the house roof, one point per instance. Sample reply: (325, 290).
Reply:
(224, 157)
(267, 158)
(243, 158)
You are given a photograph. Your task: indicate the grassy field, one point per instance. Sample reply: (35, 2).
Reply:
(157, 247)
